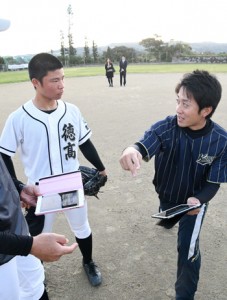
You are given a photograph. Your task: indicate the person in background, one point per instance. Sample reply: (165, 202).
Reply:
(123, 69)
(109, 71)
(190, 153)
(21, 271)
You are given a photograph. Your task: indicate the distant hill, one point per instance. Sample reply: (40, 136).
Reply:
(209, 47)
(196, 47)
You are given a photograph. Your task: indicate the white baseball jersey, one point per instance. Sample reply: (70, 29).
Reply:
(47, 143)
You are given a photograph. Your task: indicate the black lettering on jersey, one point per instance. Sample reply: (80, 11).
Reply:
(85, 124)
(204, 159)
(69, 133)
(69, 151)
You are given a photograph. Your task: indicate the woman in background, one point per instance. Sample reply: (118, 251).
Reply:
(109, 71)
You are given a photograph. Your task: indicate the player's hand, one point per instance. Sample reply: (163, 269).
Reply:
(194, 201)
(29, 195)
(51, 246)
(130, 160)
(103, 173)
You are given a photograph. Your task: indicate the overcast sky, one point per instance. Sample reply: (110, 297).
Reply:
(36, 25)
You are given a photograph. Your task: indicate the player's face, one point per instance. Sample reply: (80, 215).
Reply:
(52, 86)
(188, 114)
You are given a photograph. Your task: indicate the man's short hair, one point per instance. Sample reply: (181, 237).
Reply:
(203, 87)
(41, 64)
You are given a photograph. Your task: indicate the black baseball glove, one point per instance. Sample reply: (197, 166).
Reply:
(92, 180)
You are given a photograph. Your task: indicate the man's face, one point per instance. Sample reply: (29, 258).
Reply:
(52, 86)
(188, 114)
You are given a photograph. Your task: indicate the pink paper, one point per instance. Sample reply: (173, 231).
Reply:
(61, 183)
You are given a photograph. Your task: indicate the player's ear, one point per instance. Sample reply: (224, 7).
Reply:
(206, 111)
(35, 82)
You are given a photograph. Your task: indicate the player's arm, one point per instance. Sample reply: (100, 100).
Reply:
(13, 244)
(10, 167)
(208, 191)
(28, 193)
(91, 154)
(46, 246)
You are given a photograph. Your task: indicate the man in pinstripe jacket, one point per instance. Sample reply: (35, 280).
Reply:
(190, 152)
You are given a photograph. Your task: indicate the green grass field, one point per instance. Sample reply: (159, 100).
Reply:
(20, 76)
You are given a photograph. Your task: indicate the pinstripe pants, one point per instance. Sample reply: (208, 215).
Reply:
(189, 258)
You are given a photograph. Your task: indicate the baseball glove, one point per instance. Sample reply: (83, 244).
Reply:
(92, 180)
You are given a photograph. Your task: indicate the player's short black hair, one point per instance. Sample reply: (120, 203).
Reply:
(203, 87)
(41, 63)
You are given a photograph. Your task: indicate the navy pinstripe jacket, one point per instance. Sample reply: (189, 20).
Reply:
(182, 163)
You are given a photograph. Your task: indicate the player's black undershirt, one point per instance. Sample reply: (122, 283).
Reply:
(13, 244)
(209, 189)
(200, 132)
(91, 154)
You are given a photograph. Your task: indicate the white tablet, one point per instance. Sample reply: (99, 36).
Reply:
(174, 211)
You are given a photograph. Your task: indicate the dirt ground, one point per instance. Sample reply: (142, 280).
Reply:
(137, 258)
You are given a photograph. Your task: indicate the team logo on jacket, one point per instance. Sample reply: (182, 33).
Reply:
(204, 159)
(69, 136)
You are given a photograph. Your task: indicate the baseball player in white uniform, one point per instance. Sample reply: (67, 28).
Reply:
(22, 274)
(47, 132)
